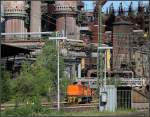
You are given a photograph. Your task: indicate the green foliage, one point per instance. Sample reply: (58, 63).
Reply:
(35, 81)
(22, 111)
(113, 81)
(31, 108)
(64, 83)
(5, 82)
(48, 60)
(40, 79)
(29, 111)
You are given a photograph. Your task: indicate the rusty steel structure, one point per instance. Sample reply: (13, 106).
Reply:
(127, 34)
(35, 17)
(121, 44)
(65, 18)
(14, 15)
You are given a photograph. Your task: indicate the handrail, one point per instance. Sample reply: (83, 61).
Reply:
(14, 11)
(132, 82)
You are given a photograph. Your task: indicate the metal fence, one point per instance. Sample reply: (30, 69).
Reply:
(124, 98)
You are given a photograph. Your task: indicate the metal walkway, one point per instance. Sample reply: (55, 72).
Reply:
(131, 82)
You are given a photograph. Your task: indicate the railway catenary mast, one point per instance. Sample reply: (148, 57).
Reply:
(99, 52)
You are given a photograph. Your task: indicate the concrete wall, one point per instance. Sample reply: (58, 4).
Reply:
(140, 106)
(141, 68)
(139, 100)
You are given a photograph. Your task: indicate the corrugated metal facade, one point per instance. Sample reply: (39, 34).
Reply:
(111, 103)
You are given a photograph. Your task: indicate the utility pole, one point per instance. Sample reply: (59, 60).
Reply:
(65, 26)
(58, 68)
(58, 92)
(0, 59)
(149, 54)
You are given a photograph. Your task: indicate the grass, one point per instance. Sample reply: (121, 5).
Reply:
(47, 112)
(90, 113)
(32, 111)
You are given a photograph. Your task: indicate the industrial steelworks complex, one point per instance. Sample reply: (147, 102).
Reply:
(105, 53)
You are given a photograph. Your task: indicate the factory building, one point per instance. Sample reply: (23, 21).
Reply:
(121, 44)
(73, 21)
(124, 30)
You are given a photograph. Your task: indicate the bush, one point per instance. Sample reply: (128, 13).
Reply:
(21, 111)
(37, 80)
(32, 107)
(5, 86)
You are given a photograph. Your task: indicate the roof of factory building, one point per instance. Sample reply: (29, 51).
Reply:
(122, 23)
(9, 50)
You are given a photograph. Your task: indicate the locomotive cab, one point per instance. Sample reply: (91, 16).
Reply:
(78, 92)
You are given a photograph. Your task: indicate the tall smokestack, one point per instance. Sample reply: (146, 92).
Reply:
(14, 14)
(2, 17)
(65, 18)
(35, 22)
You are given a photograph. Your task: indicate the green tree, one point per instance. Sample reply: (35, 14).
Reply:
(48, 60)
(5, 82)
(40, 79)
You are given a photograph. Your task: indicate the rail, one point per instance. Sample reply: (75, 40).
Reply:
(53, 106)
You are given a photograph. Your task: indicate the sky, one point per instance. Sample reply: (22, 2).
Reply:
(89, 4)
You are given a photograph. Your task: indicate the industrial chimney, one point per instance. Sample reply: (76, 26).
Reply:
(14, 15)
(65, 18)
(35, 15)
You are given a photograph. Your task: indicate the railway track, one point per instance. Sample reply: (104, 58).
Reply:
(76, 107)
(73, 107)
(69, 107)
(64, 105)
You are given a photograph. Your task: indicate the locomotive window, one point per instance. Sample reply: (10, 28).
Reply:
(93, 75)
(83, 83)
(74, 83)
